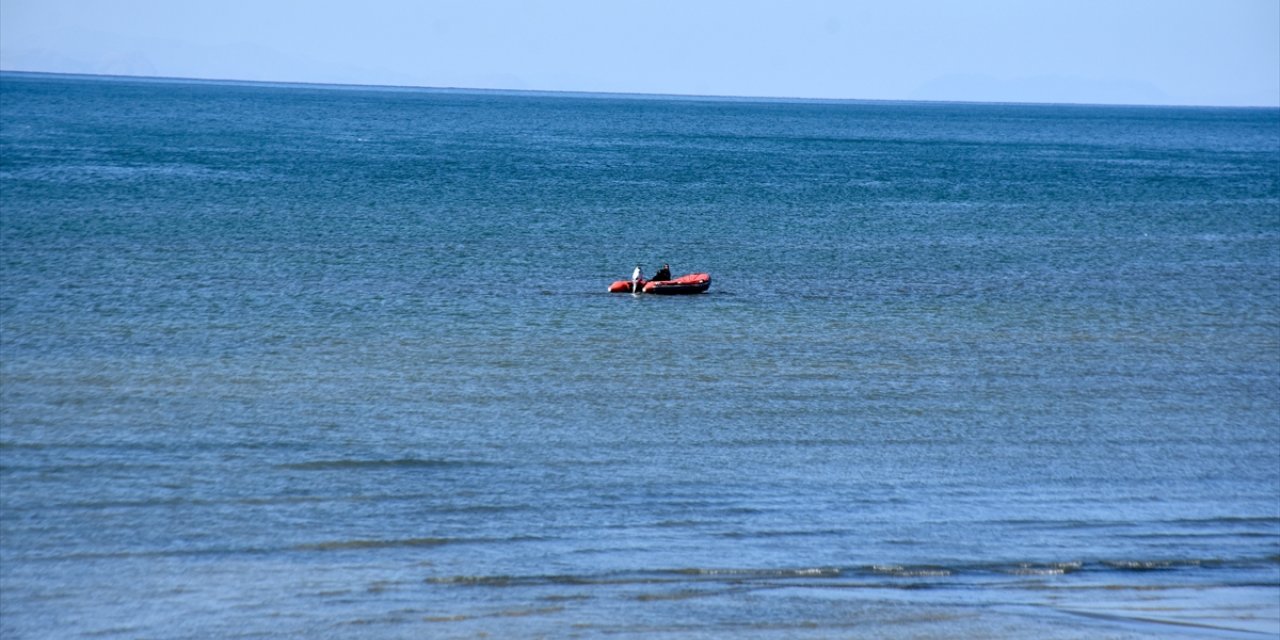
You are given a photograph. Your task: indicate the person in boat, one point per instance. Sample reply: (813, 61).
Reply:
(636, 277)
(664, 273)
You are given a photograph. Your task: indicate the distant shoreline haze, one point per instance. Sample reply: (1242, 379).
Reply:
(624, 95)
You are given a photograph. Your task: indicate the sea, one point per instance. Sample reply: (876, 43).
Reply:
(298, 361)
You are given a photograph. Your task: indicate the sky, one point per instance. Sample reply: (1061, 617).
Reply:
(1177, 52)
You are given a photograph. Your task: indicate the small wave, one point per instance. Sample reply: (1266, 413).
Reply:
(505, 613)
(341, 545)
(1066, 524)
(899, 571)
(480, 581)
(1252, 520)
(681, 594)
(524, 581)
(813, 572)
(696, 581)
(355, 464)
(677, 524)
(1150, 565)
(367, 543)
(1051, 569)
(106, 466)
(781, 533)
(659, 576)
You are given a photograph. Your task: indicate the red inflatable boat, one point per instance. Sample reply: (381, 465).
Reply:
(692, 283)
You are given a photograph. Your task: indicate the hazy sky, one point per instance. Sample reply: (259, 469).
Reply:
(1212, 52)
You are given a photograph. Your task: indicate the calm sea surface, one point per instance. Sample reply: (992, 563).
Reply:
(319, 362)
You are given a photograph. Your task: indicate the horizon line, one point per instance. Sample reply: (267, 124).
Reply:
(630, 95)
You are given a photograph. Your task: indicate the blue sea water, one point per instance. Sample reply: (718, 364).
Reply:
(330, 362)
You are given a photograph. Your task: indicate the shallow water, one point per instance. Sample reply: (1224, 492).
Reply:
(286, 361)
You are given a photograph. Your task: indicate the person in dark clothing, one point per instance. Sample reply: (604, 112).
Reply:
(664, 273)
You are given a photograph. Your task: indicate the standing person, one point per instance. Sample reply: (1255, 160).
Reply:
(636, 277)
(664, 273)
